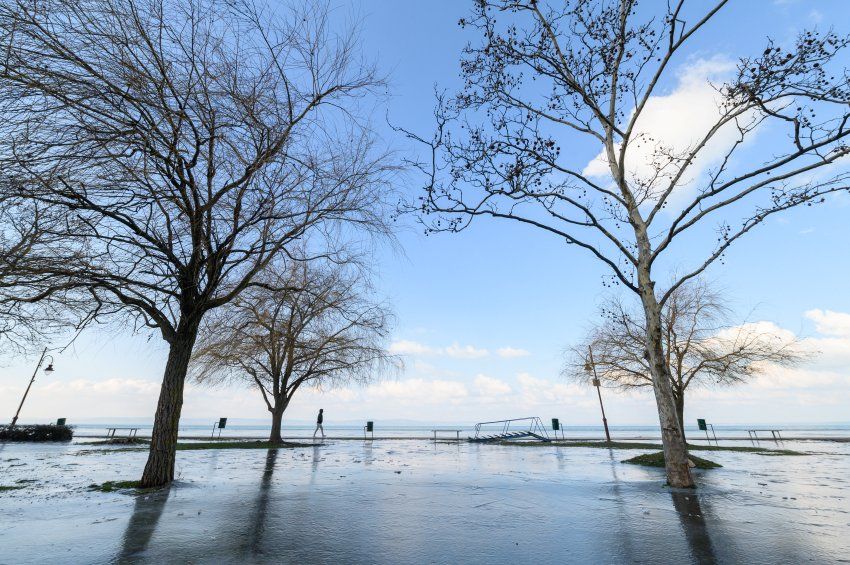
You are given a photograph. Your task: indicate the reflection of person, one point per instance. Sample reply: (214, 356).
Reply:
(319, 420)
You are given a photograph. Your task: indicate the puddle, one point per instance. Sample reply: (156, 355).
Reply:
(402, 502)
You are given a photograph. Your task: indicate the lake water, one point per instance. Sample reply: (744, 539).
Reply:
(424, 430)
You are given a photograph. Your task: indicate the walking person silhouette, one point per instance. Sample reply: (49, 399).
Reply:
(319, 419)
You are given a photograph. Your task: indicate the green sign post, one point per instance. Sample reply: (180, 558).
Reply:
(703, 426)
(222, 422)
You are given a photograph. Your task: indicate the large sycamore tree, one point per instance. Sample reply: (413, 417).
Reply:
(702, 348)
(188, 143)
(552, 130)
(329, 332)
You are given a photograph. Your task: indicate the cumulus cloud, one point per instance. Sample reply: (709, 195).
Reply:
(108, 386)
(407, 347)
(828, 322)
(677, 121)
(455, 350)
(421, 391)
(797, 378)
(511, 352)
(488, 386)
(465, 352)
(823, 375)
(535, 391)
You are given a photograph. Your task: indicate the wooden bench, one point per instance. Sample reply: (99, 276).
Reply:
(775, 433)
(457, 433)
(131, 434)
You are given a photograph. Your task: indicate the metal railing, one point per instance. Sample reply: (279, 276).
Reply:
(531, 425)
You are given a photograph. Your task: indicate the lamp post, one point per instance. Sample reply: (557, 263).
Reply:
(48, 370)
(591, 366)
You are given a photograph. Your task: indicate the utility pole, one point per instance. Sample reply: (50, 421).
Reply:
(48, 369)
(598, 392)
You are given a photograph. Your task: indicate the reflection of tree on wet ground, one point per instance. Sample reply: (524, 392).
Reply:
(624, 533)
(146, 513)
(687, 507)
(691, 517)
(258, 521)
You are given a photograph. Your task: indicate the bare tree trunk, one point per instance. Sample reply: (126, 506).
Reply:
(159, 469)
(679, 398)
(277, 418)
(675, 450)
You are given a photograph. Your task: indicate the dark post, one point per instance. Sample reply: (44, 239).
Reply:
(703, 427)
(556, 425)
(32, 380)
(222, 422)
(599, 393)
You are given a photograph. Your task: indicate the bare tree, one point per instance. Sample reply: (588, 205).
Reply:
(700, 347)
(20, 230)
(191, 142)
(550, 84)
(26, 325)
(325, 334)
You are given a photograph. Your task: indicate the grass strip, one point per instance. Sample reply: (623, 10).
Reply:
(110, 486)
(657, 460)
(641, 445)
(117, 441)
(203, 445)
(193, 446)
(4, 488)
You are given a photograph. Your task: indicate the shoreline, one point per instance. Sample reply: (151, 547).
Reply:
(836, 439)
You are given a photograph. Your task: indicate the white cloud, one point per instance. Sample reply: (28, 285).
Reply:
(677, 121)
(488, 386)
(455, 350)
(406, 347)
(109, 386)
(767, 331)
(420, 391)
(823, 379)
(465, 352)
(535, 391)
(797, 378)
(511, 352)
(828, 322)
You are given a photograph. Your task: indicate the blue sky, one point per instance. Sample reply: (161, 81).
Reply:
(460, 299)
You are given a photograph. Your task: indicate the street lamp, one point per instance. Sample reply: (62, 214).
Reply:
(591, 366)
(48, 370)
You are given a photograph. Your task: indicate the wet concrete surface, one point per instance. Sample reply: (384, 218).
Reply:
(419, 502)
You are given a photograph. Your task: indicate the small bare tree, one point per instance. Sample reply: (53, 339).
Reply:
(549, 84)
(188, 143)
(325, 334)
(701, 348)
